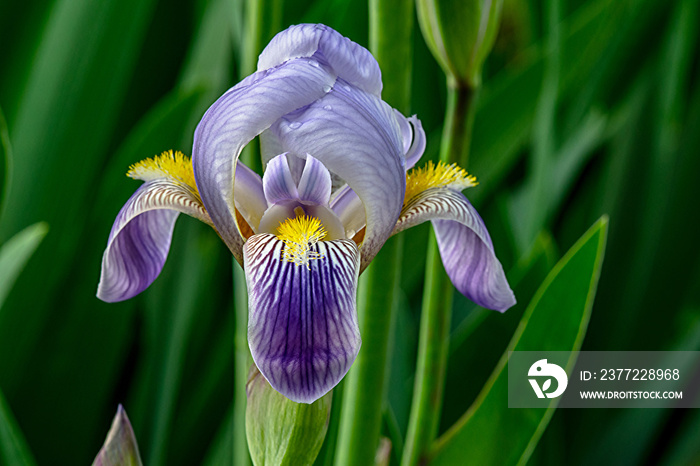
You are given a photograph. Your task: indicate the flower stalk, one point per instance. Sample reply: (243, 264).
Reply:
(391, 26)
(241, 366)
(436, 312)
(262, 20)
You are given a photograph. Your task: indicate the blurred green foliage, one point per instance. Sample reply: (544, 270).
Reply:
(588, 107)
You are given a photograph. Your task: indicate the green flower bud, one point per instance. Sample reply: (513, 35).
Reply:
(120, 448)
(280, 431)
(460, 34)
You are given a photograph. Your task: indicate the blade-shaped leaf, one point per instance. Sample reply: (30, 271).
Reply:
(5, 160)
(16, 252)
(480, 338)
(556, 319)
(13, 446)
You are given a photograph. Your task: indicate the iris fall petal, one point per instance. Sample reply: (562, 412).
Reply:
(302, 330)
(140, 238)
(465, 245)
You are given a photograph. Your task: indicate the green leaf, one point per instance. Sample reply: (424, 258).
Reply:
(586, 34)
(479, 339)
(5, 160)
(221, 450)
(65, 118)
(13, 446)
(15, 253)
(491, 433)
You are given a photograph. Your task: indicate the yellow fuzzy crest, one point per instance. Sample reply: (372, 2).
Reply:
(437, 176)
(300, 235)
(169, 164)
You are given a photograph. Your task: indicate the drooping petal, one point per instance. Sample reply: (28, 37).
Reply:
(348, 60)
(302, 329)
(315, 183)
(465, 245)
(278, 184)
(356, 136)
(140, 238)
(237, 117)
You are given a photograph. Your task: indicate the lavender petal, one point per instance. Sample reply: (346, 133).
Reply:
(140, 238)
(278, 184)
(465, 246)
(347, 59)
(315, 183)
(357, 137)
(418, 141)
(237, 117)
(249, 196)
(302, 331)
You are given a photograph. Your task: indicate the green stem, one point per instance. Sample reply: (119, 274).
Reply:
(263, 19)
(459, 120)
(365, 389)
(364, 393)
(436, 311)
(241, 366)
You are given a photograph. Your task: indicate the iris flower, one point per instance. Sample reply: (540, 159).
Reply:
(335, 188)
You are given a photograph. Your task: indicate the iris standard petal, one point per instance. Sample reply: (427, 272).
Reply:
(237, 117)
(349, 209)
(278, 184)
(357, 137)
(249, 196)
(418, 142)
(348, 60)
(345, 202)
(140, 238)
(315, 183)
(302, 329)
(465, 245)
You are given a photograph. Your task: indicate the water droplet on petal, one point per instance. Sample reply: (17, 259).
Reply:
(327, 89)
(294, 125)
(327, 107)
(314, 64)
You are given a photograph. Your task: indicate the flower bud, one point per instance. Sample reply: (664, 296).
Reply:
(120, 448)
(280, 431)
(460, 34)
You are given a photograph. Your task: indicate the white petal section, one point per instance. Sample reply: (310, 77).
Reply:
(237, 117)
(347, 59)
(465, 245)
(302, 327)
(140, 238)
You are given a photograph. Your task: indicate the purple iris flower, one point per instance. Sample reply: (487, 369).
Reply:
(334, 189)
